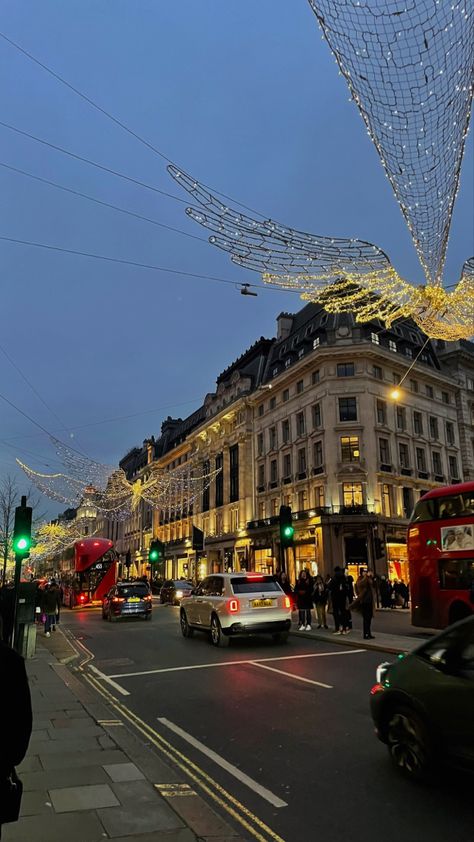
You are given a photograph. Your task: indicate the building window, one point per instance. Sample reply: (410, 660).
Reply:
(315, 377)
(285, 430)
(275, 371)
(261, 410)
(386, 500)
(453, 467)
(316, 342)
(375, 338)
(234, 520)
(401, 418)
(377, 372)
(384, 451)
(345, 369)
(445, 397)
(272, 403)
(409, 352)
(436, 458)
(317, 415)
(273, 438)
(261, 510)
(287, 362)
(418, 423)
(301, 353)
(234, 473)
(299, 387)
(300, 424)
(420, 459)
(302, 460)
(206, 470)
(220, 479)
(407, 494)
(404, 455)
(274, 506)
(414, 385)
(273, 471)
(287, 466)
(470, 384)
(352, 494)
(381, 412)
(260, 444)
(347, 409)
(350, 449)
(318, 454)
(429, 391)
(449, 432)
(261, 476)
(392, 345)
(434, 430)
(319, 496)
(286, 395)
(302, 501)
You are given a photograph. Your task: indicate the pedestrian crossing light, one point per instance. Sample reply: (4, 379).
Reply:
(156, 553)
(287, 529)
(22, 529)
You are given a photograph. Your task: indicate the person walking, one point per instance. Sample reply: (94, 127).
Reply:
(49, 606)
(366, 602)
(285, 585)
(320, 599)
(16, 716)
(340, 601)
(304, 600)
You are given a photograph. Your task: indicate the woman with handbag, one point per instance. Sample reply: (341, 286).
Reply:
(16, 719)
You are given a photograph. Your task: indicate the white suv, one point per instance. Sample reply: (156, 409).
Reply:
(229, 604)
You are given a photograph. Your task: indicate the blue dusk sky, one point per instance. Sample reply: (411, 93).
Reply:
(245, 96)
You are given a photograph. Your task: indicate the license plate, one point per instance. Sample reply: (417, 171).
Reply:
(134, 599)
(262, 603)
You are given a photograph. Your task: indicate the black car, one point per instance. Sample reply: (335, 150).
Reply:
(127, 599)
(423, 703)
(173, 591)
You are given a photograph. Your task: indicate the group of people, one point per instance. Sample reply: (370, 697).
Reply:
(393, 593)
(337, 595)
(49, 604)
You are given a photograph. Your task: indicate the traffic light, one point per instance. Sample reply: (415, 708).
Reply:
(198, 539)
(287, 529)
(22, 530)
(379, 547)
(156, 553)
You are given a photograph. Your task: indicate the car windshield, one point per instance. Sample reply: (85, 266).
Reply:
(255, 584)
(133, 590)
(181, 586)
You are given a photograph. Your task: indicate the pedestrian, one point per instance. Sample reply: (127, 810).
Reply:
(385, 592)
(350, 595)
(16, 717)
(365, 602)
(304, 600)
(340, 601)
(320, 599)
(49, 606)
(285, 585)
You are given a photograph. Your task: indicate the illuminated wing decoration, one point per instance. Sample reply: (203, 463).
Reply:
(53, 538)
(81, 467)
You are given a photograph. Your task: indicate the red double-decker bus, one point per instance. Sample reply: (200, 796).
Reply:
(95, 572)
(441, 556)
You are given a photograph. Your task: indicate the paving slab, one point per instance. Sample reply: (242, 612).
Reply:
(136, 792)
(74, 760)
(73, 827)
(181, 835)
(57, 778)
(121, 772)
(36, 803)
(123, 821)
(86, 729)
(31, 763)
(72, 798)
(202, 818)
(75, 743)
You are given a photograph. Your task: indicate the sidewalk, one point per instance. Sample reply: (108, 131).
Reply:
(87, 778)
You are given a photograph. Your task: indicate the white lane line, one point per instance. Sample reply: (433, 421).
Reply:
(291, 675)
(232, 663)
(224, 764)
(108, 679)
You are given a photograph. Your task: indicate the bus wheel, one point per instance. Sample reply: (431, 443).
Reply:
(458, 611)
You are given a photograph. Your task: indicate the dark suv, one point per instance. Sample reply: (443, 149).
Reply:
(127, 599)
(423, 704)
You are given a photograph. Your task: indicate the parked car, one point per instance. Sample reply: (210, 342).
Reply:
(422, 704)
(232, 604)
(127, 599)
(173, 591)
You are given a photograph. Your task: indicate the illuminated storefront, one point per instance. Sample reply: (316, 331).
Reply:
(397, 561)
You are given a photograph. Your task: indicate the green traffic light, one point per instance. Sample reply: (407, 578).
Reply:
(154, 555)
(288, 532)
(22, 544)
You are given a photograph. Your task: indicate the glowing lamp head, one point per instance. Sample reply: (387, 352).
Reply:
(395, 394)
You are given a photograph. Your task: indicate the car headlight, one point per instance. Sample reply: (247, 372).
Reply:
(179, 594)
(381, 672)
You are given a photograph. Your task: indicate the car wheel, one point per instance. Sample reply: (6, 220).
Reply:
(162, 601)
(280, 637)
(148, 616)
(217, 637)
(409, 744)
(186, 629)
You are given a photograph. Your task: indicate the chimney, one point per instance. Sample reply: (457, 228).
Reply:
(284, 325)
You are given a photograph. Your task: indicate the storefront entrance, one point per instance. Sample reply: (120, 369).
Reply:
(397, 562)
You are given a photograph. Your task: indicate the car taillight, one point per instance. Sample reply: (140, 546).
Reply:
(118, 599)
(82, 597)
(233, 606)
(148, 597)
(287, 602)
(377, 688)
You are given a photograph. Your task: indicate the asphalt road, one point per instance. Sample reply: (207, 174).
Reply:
(294, 718)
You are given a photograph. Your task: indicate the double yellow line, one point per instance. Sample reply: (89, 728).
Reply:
(258, 829)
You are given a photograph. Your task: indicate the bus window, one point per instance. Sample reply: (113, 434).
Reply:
(424, 510)
(456, 574)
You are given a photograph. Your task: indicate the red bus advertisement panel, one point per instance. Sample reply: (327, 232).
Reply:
(441, 556)
(95, 566)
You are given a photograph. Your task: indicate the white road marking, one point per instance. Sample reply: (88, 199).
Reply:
(232, 663)
(291, 675)
(224, 764)
(109, 680)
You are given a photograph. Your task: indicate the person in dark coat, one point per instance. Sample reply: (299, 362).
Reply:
(304, 600)
(49, 606)
(340, 601)
(285, 585)
(320, 599)
(15, 714)
(365, 602)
